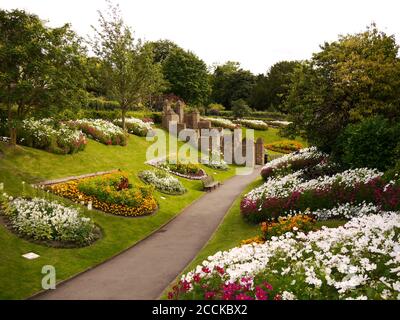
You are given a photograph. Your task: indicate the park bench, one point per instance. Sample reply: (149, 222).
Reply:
(209, 183)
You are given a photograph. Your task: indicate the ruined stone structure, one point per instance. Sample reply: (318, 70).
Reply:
(175, 120)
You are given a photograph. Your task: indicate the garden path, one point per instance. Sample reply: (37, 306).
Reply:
(146, 269)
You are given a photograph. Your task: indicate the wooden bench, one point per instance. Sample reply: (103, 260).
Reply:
(209, 183)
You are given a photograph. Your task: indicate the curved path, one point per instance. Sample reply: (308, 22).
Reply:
(146, 269)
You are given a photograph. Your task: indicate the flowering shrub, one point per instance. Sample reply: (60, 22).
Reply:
(40, 219)
(278, 196)
(101, 130)
(304, 158)
(135, 126)
(253, 124)
(284, 146)
(360, 260)
(50, 136)
(110, 193)
(162, 181)
(222, 123)
(185, 170)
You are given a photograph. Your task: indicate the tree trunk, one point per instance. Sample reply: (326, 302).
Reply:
(12, 129)
(123, 118)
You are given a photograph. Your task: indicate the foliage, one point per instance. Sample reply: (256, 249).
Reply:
(240, 108)
(187, 76)
(128, 72)
(43, 220)
(214, 109)
(370, 143)
(284, 146)
(41, 68)
(162, 181)
(106, 194)
(101, 130)
(230, 83)
(270, 91)
(350, 79)
(102, 104)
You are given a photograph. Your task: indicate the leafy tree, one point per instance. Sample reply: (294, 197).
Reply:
(129, 74)
(187, 76)
(355, 77)
(41, 69)
(240, 108)
(374, 142)
(230, 82)
(161, 49)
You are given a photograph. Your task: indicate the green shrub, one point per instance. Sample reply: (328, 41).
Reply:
(371, 143)
(240, 108)
(102, 104)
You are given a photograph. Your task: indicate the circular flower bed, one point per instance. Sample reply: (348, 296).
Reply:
(359, 260)
(185, 170)
(162, 181)
(48, 221)
(111, 193)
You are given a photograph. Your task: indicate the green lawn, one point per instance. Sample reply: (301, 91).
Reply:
(20, 278)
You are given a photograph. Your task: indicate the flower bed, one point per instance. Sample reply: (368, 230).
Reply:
(359, 260)
(42, 220)
(162, 181)
(304, 158)
(253, 124)
(285, 146)
(222, 123)
(135, 126)
(184, 170)
(215, 161)
(278, 196)
(101, 130)
(111, 193)
(50, 136)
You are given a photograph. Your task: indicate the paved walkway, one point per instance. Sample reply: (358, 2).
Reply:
(146, 269)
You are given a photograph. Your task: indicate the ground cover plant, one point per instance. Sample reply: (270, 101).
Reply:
(162, 181)
(48, 221)
(135, 126)
(252, 124)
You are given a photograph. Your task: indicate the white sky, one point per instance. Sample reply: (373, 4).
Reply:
(254, 32)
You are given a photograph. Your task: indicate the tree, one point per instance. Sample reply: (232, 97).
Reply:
(240, 108)
(187, 76)
(350, 79)
(129, 74)
(230, 83)
(41, 68)
(161, 49)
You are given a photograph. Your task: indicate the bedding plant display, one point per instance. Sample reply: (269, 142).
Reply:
(48, 221)
(162, 181)
(359, 260)
(278, 196)
(47, 134)
(111, 193)
(222, 123)
(215, 161)
(284, 146)
(252, 124)
(186, 170)
(101, 130)
(135, 126)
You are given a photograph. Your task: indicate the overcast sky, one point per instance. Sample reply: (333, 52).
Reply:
(255, 33)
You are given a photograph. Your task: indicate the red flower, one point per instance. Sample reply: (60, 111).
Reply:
(209, 295)
(278, 297)
(196, 278)
(206, 270)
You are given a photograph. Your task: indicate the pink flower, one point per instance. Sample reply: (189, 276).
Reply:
(209, 295)
(206, 270)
